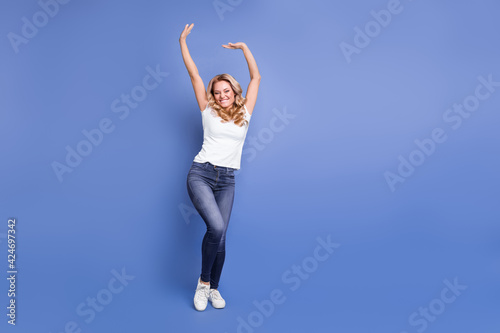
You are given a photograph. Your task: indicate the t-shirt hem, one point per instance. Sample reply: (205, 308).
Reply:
(217, 164)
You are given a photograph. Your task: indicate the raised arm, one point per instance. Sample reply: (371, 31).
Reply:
(253, 86)
(198, 86)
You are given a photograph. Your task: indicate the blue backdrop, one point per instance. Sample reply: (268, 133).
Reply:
(367, 200)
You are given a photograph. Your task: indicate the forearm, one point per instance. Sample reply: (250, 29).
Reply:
(188, 61)
(252, 65)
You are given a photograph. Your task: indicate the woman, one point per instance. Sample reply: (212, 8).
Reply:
(210, 182)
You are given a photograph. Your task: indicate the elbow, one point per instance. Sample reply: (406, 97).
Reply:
(193, 74)
(256, 77)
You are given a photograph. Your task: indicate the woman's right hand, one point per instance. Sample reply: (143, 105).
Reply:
(187, 30)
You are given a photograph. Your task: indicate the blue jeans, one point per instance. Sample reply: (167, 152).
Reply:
(211, 189)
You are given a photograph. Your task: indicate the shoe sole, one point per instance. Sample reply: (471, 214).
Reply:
(217, 307)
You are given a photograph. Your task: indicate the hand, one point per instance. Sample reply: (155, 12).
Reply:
(187, 30)
(234, 46)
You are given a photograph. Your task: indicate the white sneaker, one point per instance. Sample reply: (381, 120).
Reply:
(201, 296)
(217, 301)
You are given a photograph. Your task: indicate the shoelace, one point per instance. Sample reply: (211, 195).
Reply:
(202, 292)
(216, 295)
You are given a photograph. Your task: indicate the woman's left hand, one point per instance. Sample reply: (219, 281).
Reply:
(234, 46)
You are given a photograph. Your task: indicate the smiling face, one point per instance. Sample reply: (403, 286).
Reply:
(223, 94)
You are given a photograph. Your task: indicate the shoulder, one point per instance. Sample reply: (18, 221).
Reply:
(206, 107)
(248, 115)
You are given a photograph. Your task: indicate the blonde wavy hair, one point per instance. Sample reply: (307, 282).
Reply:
(236, 111)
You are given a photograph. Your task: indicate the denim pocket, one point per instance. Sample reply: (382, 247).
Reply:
(227, 178)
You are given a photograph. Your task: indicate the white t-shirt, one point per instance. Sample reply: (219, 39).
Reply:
(222, 142)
